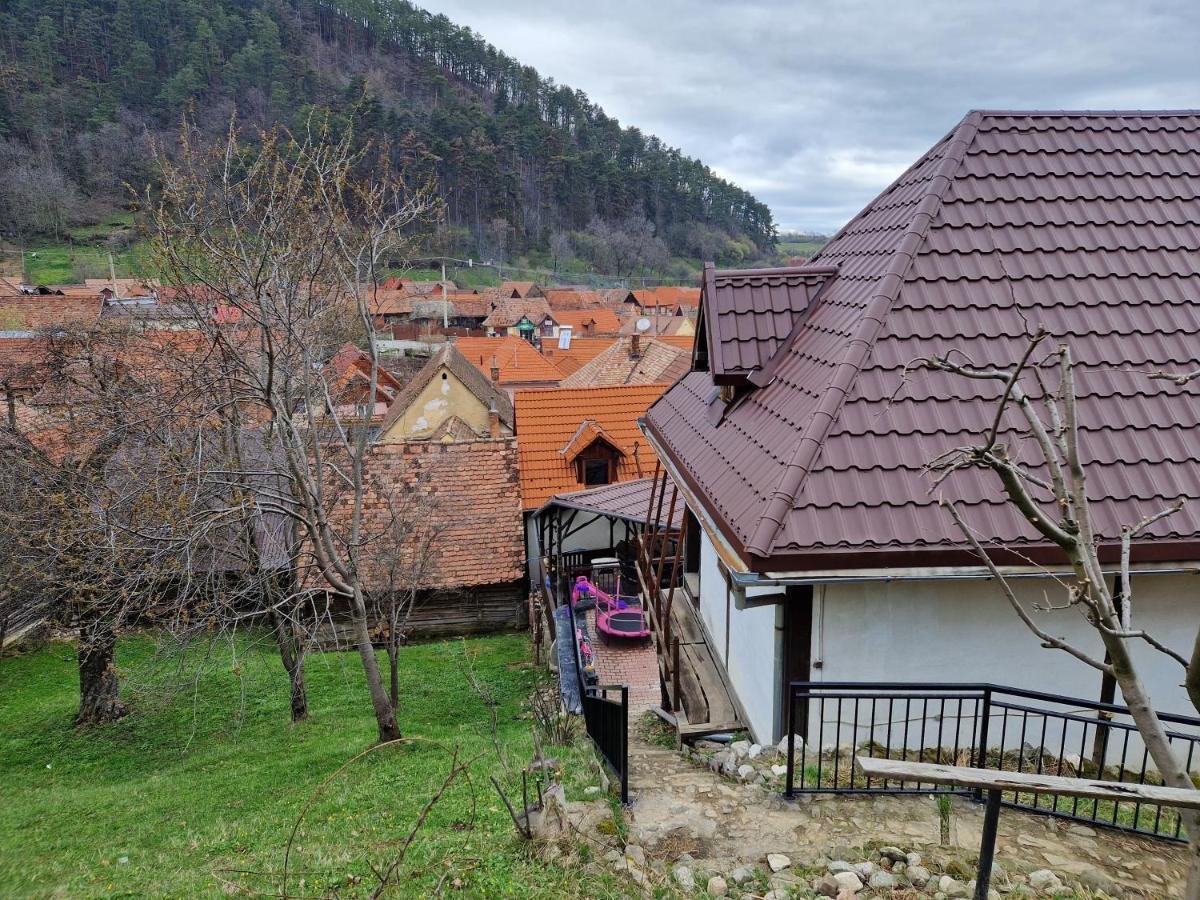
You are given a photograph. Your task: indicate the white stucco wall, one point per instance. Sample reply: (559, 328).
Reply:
(966, 631)
(940, 631)
(746, 641)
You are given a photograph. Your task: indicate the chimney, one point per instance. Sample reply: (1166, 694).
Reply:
(494, 420)
(635, 346)
(495, 370)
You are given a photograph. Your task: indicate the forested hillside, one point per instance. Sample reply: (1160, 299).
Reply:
(520, 161)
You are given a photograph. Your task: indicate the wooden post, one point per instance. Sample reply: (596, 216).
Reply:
(675, 568)
(666, 530)
(676, 705)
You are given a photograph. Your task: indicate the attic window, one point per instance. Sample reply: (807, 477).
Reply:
(444, 376)
(597, 472)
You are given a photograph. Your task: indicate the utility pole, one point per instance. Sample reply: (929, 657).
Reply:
(445, 301)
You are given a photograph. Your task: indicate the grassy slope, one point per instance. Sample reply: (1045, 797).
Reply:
(190, 785)
(81, 253)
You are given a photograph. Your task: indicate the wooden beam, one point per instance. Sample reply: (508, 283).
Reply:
(1027, 783)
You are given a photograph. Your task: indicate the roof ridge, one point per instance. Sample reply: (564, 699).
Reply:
(862, 341)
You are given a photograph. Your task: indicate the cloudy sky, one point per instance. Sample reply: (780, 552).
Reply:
(815, 107)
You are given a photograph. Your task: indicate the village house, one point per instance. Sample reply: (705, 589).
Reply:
(526, 319)
(571, 439)
(588, 322)
(800, 439)
(348, 374)
(443, 521)
(448, 400)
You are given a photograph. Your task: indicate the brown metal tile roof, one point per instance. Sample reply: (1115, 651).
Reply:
(628, 500)
(751, 313)
(1082, 221)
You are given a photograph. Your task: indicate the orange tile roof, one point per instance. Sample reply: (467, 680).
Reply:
(589, 321)
(681, 296)
(518, 360)
(547, 420)
(520, 288)
(582, 351)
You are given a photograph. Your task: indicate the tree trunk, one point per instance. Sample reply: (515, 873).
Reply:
(394, 669)
(291, 653)
(99, 689)
(385, 713)
(1150, 727)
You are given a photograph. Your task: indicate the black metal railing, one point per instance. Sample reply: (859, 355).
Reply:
(607, 723)
(981, 725)
(606, 719)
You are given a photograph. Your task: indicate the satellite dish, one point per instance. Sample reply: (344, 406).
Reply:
(643, 324)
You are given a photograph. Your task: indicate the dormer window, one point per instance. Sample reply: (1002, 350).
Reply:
(594, 454)
(597, 472)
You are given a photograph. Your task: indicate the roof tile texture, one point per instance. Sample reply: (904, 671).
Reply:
(1078, 221)
(518, 360)
(656, 362)
(548, 420)
(469, 492)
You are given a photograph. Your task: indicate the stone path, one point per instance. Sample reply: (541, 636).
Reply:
(681, 810)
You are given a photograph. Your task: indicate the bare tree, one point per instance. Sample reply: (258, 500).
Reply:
(1050, 492)
(404, 550)
(286, 234)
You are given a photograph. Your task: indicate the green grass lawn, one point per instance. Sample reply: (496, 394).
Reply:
(199, 787)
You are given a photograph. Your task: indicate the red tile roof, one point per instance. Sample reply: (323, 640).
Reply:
(547, 420)
(1080, 221)
(589, 321)
(518, 360)
(516, 288)
(468, 496)
(29, 312)
(568, 299)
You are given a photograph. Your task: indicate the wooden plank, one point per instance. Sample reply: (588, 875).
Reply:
(1027, 783)
(708, 728)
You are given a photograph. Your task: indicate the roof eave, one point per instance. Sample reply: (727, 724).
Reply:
(806, 562)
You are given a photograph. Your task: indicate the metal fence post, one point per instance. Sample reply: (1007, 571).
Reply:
(625, 744)
(791, 739)
(981, 760)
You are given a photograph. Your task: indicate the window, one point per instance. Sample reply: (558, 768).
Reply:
(596, 472)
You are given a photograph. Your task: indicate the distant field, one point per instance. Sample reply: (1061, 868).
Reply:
(800, 248)
(82, 254)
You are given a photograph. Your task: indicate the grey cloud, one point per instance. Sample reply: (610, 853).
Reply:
(817, 107)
